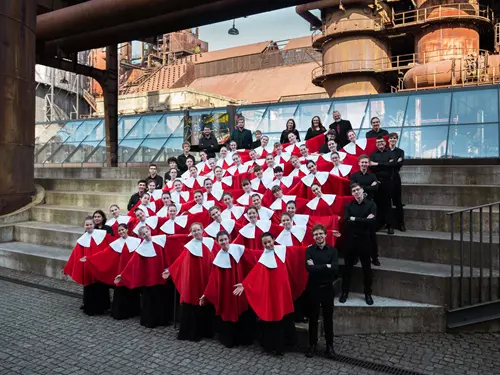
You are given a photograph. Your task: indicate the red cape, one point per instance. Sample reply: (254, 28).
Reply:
(107, 264)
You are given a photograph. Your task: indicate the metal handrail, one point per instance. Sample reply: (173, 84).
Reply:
(474, 208)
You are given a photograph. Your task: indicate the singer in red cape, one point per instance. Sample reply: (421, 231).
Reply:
(231, 265)
(249, 235)
(95, 293)
(190, 274)
(106, 264)
(278, 278)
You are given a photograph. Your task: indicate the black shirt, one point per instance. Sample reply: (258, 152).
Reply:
(158, 179)
(181, 162)
(311, 133)
(385, 167)
(325, 150)
(381, 132)
(395, 155)
(365, 180)
(319, 273)
(361, 226)
(107, 228)
(209, 145)
(256, 144)
(133, 200)
(284, 135)
(243, 138)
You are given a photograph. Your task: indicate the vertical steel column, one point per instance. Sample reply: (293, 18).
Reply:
(110, 93)
(17, 102)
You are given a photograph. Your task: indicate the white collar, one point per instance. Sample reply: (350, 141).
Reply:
(131, 242)
(217, 194)
(189, 182)
(260, 150)
(350, 148)
(237, 211)
(257, 181)
(215, 227)
(314, 158)
(147, 249)
(139, 225)
(277, 204)
(176, 196)
(328, 198)
(268, 258)
(122, 219)
(248, 231)
(222, 259)
(244, 200)
(152, 221)
(197, 208)
(164, 210)
(300, 220)
(290, 148)
(151, 206)
(97, 235)
(156, 194)
(243, 168)
(322, 177)
(169, 226)
(342, 170)
(195, 246)
(295, 172)
(251, 163)
(285, 156)
(286, 181)
(285, 237)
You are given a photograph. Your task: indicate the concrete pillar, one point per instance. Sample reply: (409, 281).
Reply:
(17, 102)
(110, 93)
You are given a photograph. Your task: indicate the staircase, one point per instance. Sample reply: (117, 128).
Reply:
(410, 287)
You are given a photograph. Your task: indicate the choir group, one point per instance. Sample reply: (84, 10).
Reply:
(235, 241)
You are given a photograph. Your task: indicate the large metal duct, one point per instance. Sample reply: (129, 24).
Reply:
(17, 102)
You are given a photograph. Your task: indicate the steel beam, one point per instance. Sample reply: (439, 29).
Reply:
(110, 93)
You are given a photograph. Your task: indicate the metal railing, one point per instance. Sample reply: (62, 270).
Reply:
(477, 278)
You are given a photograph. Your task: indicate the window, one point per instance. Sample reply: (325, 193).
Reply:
(473, 141)
(424, 143)
(390, 110)
(354, 111)
(474, 107)
(143, 127)
(428, 109)
(307, 111)
(253, 116)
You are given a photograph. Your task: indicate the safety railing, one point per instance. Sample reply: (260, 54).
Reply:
(475, 277)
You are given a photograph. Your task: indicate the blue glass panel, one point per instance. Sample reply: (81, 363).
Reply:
(428, 109)
(143, 127)
(49, 131)
(62, 153)
(147, 151)
(424, 143)
(125, 124)
(99, 154)
(278, 116)
(82, 152)
(474, 107)
(167, 125)
(391, 111)
(253, 116)
(83, 130)
(63, 134)
(173, 147)
(218, 122)
(473, 141)
(307, 111)
(97, 134)
(126, 148)
(352, 110)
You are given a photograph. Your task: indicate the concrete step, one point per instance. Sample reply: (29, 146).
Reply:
(436, 247)
(452, 175)
(48, 234)
(450, 195)
(434, 218)
(60, 214)
(87, 199)
(93, 185)
(135, 173)
(418, 281)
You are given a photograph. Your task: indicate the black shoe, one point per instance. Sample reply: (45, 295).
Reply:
(279, 353)
(390, 230)
(310, 352)
(369, 299)
(330, 352)
(402, 227)
(355, 261)
(376, 262)
(343, 297)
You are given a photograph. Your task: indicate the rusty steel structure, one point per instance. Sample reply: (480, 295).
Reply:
(374, 46)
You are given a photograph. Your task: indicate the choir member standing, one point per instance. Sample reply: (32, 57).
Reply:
(242, 136)
(116, 219)
(398, 156)
(182, 158)
(208, 142)
(290, 128)
(341, 127)
(141, 189)
(376, 131)
(153, 175)
(323, 265)
(99, 218)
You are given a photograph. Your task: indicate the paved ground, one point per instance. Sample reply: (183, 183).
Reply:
(43, 332)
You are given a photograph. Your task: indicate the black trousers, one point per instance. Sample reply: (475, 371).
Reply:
(126, 303)
(155, 306)
(277, 335)
(358, 249)
(396, 199)
(383, 202)
(320, 297)
(96, 298)
(197, 322)
(241, 332)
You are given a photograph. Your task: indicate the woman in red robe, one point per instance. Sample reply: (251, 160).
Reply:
(95, 293)
(293, 235)
(146, 205)
(220, 223)
(249, 235)
(106, 264)
(144, 270)
(190, 273)
(231, 265)
(325, 204)
(232, 211)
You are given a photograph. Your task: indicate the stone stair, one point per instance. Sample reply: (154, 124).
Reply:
(410, 287)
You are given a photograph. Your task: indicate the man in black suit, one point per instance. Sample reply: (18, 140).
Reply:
(341, 127)
(376, 131)
(208, 142)
(242, 136)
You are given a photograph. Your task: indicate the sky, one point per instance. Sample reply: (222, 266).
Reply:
(276, 25)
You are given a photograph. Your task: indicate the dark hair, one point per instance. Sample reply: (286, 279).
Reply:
(285, 214)
(335, 153)
(172, 205)
(320, 123)
(153, 165)
(197, 191)
(123, 225)
(293, 122)
(142, 182)
(310, 162)
(222, 233)
(278, 169)
(356, 185)
(206, 179)
(245, 182)
(332, 132)
(114, 205)
(207, 126)
(255, 195)
(191, 157)
(292, 202)
(100, 212)
(364, 156)
(393, 135)
(166, 193)
(227, 193)
(173, 169)
(213, 208)
(172, 159)
(315, 183)
(257, 168)
(275, 189)
(88, 218)
(266, 234)
(319, 227)
(380, 137)
(373, 118)
(252, 208)
(151, 180)
(138, 209)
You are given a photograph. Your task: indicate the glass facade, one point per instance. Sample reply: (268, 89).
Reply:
(434, 124)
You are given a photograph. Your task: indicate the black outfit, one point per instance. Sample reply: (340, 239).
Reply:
(107, 228)
(365, 180)
(155, 306)
(209, 145)
(243, 138)
(278, 335)
(380, 133)
(158, 179)
(96, 299)
(126, 303)
(256, 144)
(325, 150)
(359, 235)
(197, 322)
(284, 135)
(181, 162)
(384, 172)
(396, 183)
(242, 332)
(133, 200)
(320, 289)
(341, 127)
(311, 133)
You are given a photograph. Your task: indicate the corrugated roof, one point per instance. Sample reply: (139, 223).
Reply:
(262, 85)
(302, 42)
(249, 49)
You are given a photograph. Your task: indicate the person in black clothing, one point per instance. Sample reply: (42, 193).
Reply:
(376, 131)
(341, 127)
(181, 159)
(359, 216)
(316, 128)
(172, 164)
(141, 189)
(258, 137)
(208, 142)
(99, 218)
(382, 165)
(398, 157)
(327, 146)
(290, 128)
(322, 263)
(153, 175)
(242, 136)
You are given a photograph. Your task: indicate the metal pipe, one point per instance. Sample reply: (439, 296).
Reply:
(452, 262)
(100, 14)
(304, 10)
